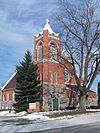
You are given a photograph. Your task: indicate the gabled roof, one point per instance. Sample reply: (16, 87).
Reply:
(8, 81)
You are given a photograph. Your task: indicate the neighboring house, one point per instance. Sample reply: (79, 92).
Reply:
(8, 91)
(91, 98)
(55, 74)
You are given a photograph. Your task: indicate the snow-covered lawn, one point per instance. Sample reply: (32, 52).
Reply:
(36, 117)
(42, 122)
(12, 113)
(41, 116)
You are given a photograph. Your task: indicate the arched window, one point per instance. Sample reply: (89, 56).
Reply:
(53, 51)
(7, 96)
(13, 96)
(67, 76)
(3, 98)
(39, 52)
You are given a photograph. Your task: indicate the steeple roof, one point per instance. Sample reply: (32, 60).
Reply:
(48, 27)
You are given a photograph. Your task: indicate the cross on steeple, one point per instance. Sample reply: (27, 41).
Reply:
(47, 21)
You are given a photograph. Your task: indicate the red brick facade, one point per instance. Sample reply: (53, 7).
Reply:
(48, 67)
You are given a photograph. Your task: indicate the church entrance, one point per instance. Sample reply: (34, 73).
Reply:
(55, 104)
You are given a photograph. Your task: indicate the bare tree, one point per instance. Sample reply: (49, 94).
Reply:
(80, 24)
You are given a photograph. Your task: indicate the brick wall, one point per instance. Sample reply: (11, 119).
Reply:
(8, 95)
(45, 40)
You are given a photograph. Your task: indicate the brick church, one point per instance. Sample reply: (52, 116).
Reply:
(56, 74)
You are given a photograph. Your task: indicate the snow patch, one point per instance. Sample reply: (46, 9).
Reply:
(69, 117)
(93, 110)
(58, 118)
(12, 113)
(3, 113)
(35, 117)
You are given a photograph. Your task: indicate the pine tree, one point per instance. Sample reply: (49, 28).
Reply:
(28, 85)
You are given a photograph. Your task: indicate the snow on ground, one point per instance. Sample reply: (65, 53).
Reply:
(35, 117)
(69, 121)
(91, 110)
(12, 113)
(42, 122)
(41, 116)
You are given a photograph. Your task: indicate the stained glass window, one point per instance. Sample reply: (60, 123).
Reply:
(67, 76)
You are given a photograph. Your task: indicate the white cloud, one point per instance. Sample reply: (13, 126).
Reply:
(20, 20)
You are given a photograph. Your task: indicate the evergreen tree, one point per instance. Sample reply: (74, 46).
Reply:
(28, 85)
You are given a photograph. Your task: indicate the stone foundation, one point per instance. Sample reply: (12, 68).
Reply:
(51, 91)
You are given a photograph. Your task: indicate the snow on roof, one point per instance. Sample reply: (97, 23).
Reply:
(8, 81)
(48, 27)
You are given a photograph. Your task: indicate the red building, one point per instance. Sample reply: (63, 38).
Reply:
(8, 92)
(55, 73)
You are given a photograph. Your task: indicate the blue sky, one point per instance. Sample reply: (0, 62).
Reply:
(20, 20)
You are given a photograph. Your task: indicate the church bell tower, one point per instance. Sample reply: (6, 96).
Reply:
(46, 55)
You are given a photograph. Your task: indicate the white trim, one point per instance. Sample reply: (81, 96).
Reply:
(39, 37)
(8, 81)
(51, 36)
(46, 60)
(71, 84)
(39, 42)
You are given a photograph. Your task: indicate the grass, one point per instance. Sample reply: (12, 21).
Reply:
(60, 114)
